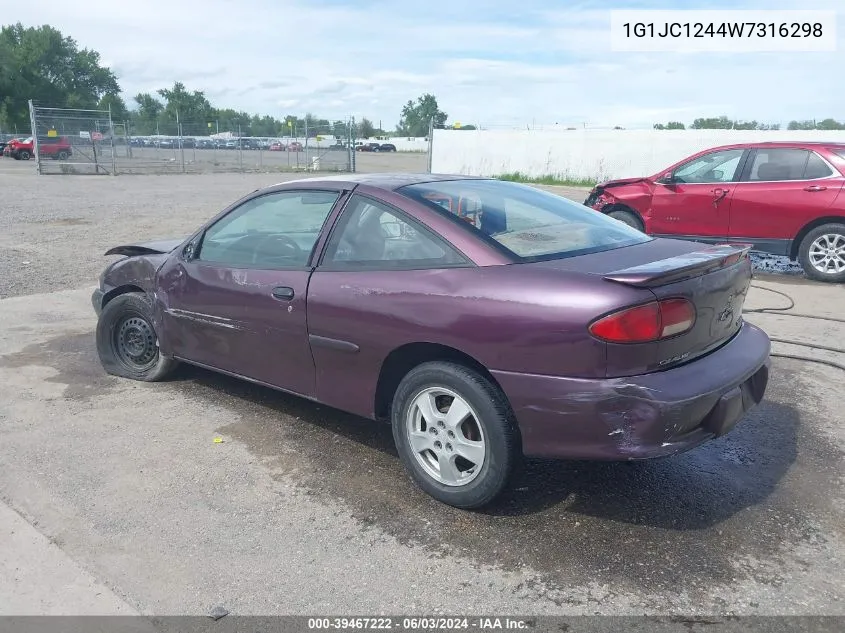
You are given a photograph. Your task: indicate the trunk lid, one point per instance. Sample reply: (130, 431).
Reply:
(715, 279)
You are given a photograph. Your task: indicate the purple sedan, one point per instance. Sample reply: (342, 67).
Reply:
(484, 320)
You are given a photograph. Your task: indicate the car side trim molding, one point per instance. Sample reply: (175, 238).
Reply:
(333, 343)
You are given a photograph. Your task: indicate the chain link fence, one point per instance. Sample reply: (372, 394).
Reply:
(69, 141)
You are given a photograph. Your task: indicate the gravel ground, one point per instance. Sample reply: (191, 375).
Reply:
(55, 229)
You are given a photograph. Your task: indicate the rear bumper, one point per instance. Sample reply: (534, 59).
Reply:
(638, 417)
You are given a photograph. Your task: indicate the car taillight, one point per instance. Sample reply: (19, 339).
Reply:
(645, 323)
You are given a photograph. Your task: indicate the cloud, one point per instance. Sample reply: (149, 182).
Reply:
(491, 63)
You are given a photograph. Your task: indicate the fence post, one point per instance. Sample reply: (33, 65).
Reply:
(34, 123)
(430, 142)
(128, 135)
(111, 136)
(240, 149)
(181, 140)
(352, 154)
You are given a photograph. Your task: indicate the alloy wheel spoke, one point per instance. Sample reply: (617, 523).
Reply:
(428, 409)
(457, 413)
(448, 469)
(470, 450)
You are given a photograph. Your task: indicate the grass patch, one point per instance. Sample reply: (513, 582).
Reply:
(548, 179)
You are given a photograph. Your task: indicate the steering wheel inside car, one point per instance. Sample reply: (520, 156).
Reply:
(294, 252)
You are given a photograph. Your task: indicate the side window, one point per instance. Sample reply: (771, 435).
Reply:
(775, 164)
(371, 235)
(277, 230)
(718, 166)
(816, 168)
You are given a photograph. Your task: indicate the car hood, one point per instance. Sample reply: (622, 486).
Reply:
(154, 247)
(620, 182)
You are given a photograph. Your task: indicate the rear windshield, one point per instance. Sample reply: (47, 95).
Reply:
(527, 222)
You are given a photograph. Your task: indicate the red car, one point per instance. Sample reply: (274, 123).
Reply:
(784, 198)
(55, 147)
(276, 147)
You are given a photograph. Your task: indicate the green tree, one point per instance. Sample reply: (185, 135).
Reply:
(830, 124)
(115, 104)
(41, 64)
(190, 106)
(801, 125)
(416, 116)
(720, 123)
(366, 129)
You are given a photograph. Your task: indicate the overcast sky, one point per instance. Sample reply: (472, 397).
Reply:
(489, 62)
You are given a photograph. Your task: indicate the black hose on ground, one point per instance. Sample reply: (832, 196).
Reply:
(782, 312)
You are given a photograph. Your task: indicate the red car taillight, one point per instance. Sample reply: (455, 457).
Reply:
(646, 323)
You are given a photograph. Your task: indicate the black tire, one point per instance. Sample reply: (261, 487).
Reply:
(497, 422)
(62, 155)
(833, 229)
(126, 326)
(628, 217)
(23, 154)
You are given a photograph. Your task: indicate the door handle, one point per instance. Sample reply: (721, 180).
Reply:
(283, 293)
(718, 194)
(815, 188)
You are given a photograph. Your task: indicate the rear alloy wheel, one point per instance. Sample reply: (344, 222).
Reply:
(127, 341)
(62, 155)
(628, 217)
(455, 434)
(822, 253)
(23, 155)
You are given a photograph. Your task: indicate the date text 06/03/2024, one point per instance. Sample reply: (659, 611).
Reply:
(418, 623)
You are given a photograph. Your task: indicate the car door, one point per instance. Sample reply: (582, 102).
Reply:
(781, 190)
(696, 201)
(235, 299)
(360, 296)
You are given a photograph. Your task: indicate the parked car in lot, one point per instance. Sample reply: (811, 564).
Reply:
(295, 146)
(386, 147)
(368, 147)
(483, 319)
(55, 147)
(4, 140)
(784, 198)
(277, 147)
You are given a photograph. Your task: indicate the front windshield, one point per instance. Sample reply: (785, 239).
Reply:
(530, 223)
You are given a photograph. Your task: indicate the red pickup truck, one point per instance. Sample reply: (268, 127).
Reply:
(55, 147)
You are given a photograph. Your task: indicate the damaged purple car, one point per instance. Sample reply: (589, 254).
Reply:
(485, 320)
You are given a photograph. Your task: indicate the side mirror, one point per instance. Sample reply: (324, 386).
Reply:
(667, 178)
(188, 251)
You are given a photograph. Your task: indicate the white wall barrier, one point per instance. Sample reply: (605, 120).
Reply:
(588, 154)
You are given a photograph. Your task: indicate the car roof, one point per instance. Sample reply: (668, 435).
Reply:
(390, 180)
(783, 144)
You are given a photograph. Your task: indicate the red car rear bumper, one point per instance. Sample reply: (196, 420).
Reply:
(638, 417)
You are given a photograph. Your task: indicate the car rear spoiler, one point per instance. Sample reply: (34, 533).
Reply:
(681, 267)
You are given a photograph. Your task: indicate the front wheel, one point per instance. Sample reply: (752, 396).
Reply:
(822, 253)
(455, 433)
(127, 342)
(24, 155)
(628, 217)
